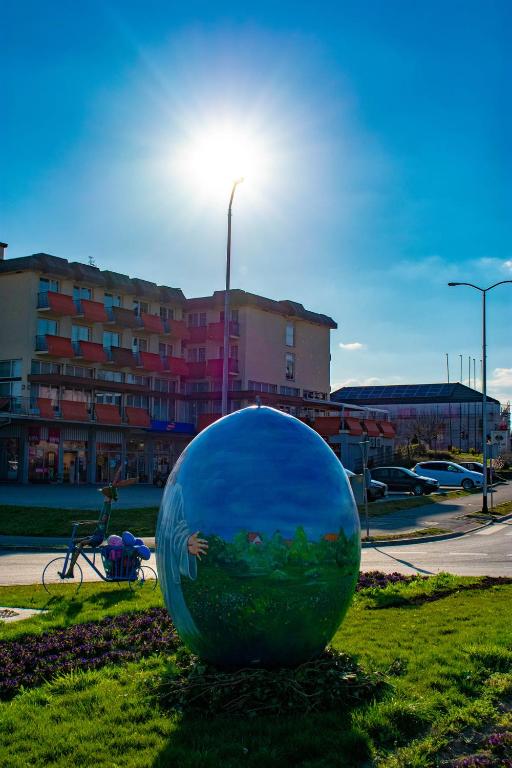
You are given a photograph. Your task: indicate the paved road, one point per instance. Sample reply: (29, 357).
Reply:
(78, 497)
(486, 552)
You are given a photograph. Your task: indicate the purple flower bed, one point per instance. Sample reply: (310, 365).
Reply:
(130, 636)
(381, 580)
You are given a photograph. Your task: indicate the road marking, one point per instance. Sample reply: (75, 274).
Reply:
(470, 554)
(491, 529)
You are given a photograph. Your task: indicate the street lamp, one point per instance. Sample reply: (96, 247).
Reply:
(483, 291)
(225, 357)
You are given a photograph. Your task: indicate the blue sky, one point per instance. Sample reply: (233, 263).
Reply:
(387, 129)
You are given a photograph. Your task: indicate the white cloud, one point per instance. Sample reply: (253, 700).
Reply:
(499, 384)
(508, 265)
(352, 346)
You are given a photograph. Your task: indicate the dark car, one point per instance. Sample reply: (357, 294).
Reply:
(477, 466)
(402, 479)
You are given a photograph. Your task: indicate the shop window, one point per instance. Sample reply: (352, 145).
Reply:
(10, 459)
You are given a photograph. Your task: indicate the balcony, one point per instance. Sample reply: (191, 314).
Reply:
(176, 366)
(56, 304)
(214, 368)
(55, 346)
(123, 318)
(121, 357)
(150, 361)
(177, 329)
(197, 370)
(107, 414)
(93, 311)
(198, 334)
(216, 331)
(90, 352)
(152, 323)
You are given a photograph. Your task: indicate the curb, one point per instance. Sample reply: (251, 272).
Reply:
(438, 537)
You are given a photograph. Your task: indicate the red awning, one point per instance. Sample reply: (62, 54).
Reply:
(151, 361)
(92, 352)
(44, 404)
(94, 311)
(73, 410)
(387, 428)
(138, 417)
(61, 304)
(371, 428)
(177, 366)
(107, 414)
(327, 425)
(59, 346)
(152, 323)
(353, 425)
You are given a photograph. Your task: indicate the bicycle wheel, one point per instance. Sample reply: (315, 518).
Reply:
(54, 584)
(145, 579)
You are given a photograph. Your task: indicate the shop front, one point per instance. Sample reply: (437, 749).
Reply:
(74, 461)
(108, 459)
(136, 460)
(10, 460)
(43, 454)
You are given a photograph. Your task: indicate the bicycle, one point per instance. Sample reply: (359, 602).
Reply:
(120, 563)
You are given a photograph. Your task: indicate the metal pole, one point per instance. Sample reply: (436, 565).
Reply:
(364, 451)
(484, 404)
(225, 356)
(461, 369)
(447, 369)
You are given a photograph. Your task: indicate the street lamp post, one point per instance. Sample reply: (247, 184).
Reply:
(484, 292)
(225, 356)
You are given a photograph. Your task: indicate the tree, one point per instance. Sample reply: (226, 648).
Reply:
(427, 427)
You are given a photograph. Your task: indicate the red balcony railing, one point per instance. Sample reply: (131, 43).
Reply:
(57, 346)
(216, 331)
(176, 366)
(214, 367)
(177, 329)
(197, 334)
(197, 370)
(152, 323)
(58, 304)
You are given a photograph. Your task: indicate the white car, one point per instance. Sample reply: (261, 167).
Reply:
(449, 473)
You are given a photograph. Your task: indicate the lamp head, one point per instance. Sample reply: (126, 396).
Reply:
(452, 284)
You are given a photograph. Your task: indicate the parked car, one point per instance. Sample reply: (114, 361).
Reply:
(477, 466)
(376, 489)
(450, 473)
(402, 479)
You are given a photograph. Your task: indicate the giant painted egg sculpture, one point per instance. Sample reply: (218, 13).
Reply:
(258, 541)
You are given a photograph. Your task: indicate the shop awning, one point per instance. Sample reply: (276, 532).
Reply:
(387, 428)
(150, 361)
(371, 428)
(59, 346)
(45, 408)
(353, 425)
(93, 352)
(107, 413)
(138, 417)
(327, 425)
(152, 323)
(74, 410)
(93, 311)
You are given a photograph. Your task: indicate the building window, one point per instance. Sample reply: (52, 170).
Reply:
(289, 391)
(80, 333)
(10, 369)
(41, 366)
(81, 293)
(117, 376)
(196, 319)
(135, 378)
(262, 386)
(164, 385)
(111, 339)
(290, 335)
(79, 371)
(196, 354)
(290, 365)
(46, 326)
(111, 300)
(45, 285)
(109, 398)
(137, 401)
(233, 352)
(140, 306)
(165, 350)
(139, 345)
(197, 386)
(167, 313)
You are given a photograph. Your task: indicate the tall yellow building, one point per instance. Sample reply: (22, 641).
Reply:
(98, 368)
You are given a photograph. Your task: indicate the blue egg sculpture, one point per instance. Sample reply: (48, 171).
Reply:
(258, 541)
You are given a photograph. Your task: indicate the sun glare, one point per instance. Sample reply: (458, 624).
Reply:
(217, 156)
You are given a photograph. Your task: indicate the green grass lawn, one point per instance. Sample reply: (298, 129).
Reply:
(445, 650)
(47, 521)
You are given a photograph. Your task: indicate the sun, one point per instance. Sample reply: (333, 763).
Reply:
(216, 156)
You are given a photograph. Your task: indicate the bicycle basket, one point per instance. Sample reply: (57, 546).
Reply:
(120, 562)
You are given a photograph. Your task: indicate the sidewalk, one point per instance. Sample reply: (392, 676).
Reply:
(77, 497)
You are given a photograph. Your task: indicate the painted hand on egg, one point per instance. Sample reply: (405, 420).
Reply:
(197, 546)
